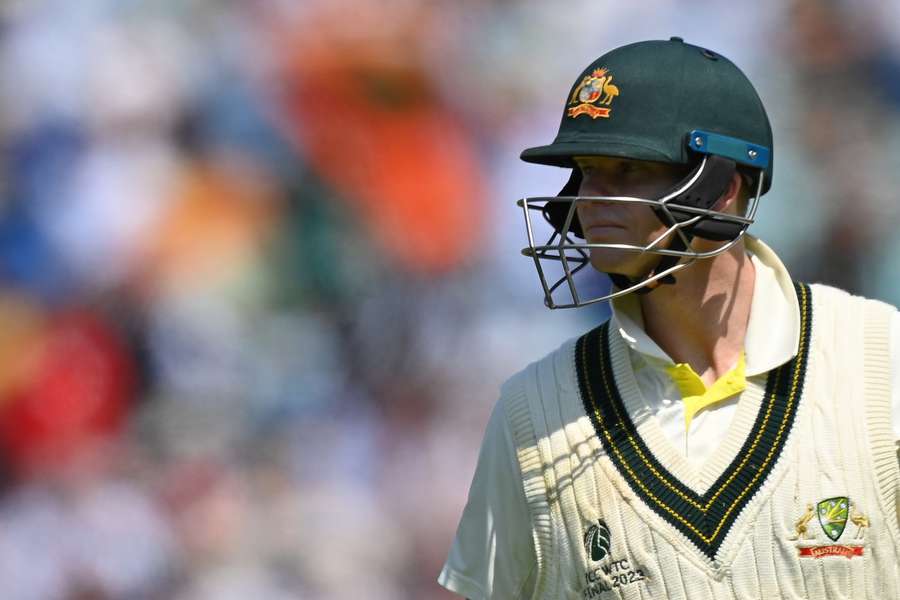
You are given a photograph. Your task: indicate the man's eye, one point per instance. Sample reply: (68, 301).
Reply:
(626, 169)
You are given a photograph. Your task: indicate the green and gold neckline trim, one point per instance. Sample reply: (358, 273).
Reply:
(706, 518)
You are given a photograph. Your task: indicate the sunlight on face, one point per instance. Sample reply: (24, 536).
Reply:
(622, 223)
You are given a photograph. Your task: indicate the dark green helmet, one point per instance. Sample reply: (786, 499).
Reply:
(661, 101)
(643, 100)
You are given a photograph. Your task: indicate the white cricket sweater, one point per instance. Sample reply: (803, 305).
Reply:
(799, 501)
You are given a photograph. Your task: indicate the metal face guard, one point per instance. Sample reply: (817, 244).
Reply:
(561, 248)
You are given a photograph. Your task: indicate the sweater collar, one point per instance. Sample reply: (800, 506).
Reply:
(773, 330)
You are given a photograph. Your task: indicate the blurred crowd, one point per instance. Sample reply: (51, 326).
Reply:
(260, 275)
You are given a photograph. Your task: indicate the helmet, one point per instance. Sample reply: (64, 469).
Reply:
(662, 101)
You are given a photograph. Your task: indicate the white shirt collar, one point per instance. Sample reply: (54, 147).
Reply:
(773, 331)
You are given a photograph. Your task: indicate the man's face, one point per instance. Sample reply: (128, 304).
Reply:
(623, 223)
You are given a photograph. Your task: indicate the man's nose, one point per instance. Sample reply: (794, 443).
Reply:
(596, 186)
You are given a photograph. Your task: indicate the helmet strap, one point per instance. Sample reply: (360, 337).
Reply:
(666, 262)
(717, 173)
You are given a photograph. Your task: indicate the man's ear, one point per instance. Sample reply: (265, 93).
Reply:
(732, 194)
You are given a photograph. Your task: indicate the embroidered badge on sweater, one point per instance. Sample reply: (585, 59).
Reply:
(705, 519)
(605, 573)
(832, 517)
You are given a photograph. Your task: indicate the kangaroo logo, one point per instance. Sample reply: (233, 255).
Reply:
(834, 514)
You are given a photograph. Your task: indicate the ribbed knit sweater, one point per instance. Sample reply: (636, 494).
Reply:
(800, 501)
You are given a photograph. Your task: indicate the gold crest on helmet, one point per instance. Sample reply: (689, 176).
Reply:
(591, 97)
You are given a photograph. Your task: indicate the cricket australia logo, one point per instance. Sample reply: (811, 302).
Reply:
(833, 515)
(593, 95)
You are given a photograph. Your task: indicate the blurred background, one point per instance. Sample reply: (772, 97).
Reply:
(260, 275)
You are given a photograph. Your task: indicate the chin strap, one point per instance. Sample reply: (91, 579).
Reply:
(666, 262)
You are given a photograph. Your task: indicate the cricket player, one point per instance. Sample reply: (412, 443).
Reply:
(729, 432)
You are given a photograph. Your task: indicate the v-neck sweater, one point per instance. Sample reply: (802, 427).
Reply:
(579, 505)
(609, 495)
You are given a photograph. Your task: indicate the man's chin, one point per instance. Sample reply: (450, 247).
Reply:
(616, 262)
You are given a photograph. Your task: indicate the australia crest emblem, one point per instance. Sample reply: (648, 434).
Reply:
(593, 96)
(832, 516)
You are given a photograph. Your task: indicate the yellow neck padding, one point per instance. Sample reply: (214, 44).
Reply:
(694, 393)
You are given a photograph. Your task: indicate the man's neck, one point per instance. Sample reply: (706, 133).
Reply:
(702, 319)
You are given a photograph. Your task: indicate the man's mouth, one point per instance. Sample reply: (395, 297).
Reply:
(600, 229)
